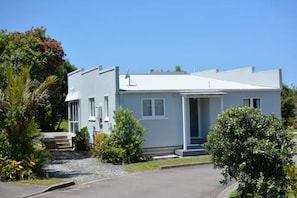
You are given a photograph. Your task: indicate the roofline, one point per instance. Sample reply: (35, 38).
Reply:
(200, 91)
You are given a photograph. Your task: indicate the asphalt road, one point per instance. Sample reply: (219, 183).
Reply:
(187, 182)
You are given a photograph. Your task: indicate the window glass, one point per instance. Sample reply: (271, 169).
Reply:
(252, 102)
(92, 106)
(246, 102)
(147, 107)
(256, 103)
(106, 107)
(159, 107)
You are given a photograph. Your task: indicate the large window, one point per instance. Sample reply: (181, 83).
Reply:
(73, 117)
(153, 108)
(92, 108)
(252, 102)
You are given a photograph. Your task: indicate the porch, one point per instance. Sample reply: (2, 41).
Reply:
(199, 113)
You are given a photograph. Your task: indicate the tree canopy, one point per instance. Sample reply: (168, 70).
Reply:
(45, 56)
(253, 149)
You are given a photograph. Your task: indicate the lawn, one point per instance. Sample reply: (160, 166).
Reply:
(43, 182)
(63, 126)
(155, 165)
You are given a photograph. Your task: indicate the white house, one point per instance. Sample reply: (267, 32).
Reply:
(176, 109)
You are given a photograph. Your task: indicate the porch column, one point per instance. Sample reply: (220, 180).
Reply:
(184, 123)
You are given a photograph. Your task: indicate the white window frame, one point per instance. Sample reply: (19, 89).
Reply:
(153, 106)
(92, 114)
(74, 116)
(106, 108)
(251, 102)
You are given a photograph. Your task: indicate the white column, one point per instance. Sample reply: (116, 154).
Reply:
(184, 123)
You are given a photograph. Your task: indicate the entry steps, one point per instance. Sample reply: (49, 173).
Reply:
(192, 150)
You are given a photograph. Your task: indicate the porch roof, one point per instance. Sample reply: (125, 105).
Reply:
(72, 95)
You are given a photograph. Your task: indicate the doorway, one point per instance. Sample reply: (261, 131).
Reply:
(194, 120)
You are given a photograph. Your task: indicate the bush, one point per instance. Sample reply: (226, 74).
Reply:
(98, 143)
(124, 144)
(11, 170)
(253, 149)
(82, 140)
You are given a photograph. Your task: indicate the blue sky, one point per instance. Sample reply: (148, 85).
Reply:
(160, 34)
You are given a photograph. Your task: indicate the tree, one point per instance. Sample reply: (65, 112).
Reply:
(288, 104)
(45, 55)
(253, 149)
(18, 104)
(178, 68)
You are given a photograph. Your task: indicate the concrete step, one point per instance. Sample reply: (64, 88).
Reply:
(190, 152)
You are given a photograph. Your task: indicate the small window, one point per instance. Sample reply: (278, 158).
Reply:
(106, 108)
(252, 102)
(159, 107)
(153, 107)
(92, 107)
(147, 107)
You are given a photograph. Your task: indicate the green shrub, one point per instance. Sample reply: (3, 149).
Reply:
(253, 149)
(98, 143)
(12, 170)
(125, 143)
(82, 140)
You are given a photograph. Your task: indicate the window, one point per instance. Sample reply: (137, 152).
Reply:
(252, 102)
(92, 107)
(73, 117)
(106, 108)
(153, 108)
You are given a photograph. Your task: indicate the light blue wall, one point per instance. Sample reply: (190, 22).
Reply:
(270, 100)
(160, 132)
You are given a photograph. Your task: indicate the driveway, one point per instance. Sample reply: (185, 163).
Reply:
(187, 182)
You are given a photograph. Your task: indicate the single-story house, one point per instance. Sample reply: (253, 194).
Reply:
(176, 109)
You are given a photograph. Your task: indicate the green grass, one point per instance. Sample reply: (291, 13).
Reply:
(43, 182)
(63, 126)
(155, 165)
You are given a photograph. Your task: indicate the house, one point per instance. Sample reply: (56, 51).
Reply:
(176, 109)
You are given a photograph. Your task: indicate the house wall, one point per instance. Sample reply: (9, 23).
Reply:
(270, 100)
(95, 83)
(163, 132)
(269, 78)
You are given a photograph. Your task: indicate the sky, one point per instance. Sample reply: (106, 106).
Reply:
(159, 34)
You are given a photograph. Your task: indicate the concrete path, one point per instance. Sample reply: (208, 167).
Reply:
(187, 182)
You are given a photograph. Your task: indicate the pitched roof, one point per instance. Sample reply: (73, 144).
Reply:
(181, 83)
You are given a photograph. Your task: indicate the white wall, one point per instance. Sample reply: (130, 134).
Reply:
(95, 83)
(270, 78)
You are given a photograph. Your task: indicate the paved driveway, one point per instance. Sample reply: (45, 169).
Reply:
(187, 182)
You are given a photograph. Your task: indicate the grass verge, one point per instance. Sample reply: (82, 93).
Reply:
(44, 182)
(155, 165)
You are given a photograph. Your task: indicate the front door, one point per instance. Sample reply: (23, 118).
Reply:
(194, 120)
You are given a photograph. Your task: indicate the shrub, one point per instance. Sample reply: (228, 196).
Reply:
(253, 149)
(11, 170)
(98, 143)
(82, 140)
(124, 144)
